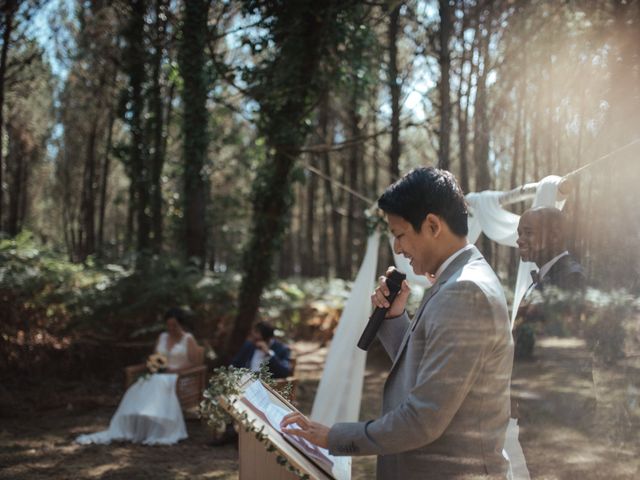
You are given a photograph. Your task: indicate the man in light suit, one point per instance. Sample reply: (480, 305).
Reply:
(446, 400)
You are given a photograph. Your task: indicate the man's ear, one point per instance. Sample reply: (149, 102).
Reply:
(433, 223)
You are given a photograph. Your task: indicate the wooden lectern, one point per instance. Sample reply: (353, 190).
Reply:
(256, 462)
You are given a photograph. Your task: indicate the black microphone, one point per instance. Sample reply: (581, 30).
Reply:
(394, 283)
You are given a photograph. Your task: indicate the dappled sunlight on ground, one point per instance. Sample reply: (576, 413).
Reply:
(565, 432)
(555, 400)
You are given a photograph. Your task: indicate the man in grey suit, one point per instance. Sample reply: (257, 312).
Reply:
(446, 400)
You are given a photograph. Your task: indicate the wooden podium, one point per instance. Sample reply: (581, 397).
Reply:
(256, 462)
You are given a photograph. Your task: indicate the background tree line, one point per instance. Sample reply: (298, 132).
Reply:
(251, 135)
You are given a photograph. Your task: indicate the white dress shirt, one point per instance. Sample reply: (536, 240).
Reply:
(451, 258)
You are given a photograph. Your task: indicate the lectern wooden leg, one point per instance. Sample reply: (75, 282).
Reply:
(258, 464)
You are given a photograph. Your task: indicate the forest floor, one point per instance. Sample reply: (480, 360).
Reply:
(565, 432)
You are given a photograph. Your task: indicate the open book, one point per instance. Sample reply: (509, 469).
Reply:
(259, 399)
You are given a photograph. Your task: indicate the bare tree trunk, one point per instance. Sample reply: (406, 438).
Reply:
(309, 262)
(104, 183)
(323, 240)
(24, 190)
(139, 172)
(323, 124)
(8, 11)
(87, 207)
(463, 112)
(297, 230)
(481, 131)
(156, 107)
(196, 140)
(550, 116)
(394, 88)
(517, 135)
(576, 194)
(444, 86)
(375, 184)
(16, 159)
(336, 230)
(344, 271)
(535, 137)
(354, 160)
(131, 214)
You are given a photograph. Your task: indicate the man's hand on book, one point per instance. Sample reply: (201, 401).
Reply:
(314, 432)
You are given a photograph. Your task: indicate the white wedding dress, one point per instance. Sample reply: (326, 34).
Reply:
(149, 412)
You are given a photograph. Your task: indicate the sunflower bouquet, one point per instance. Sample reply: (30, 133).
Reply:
(157, 363)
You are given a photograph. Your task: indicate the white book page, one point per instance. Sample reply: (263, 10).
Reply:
(258, 396)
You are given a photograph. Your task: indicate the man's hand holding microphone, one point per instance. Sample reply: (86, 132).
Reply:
(389, 300)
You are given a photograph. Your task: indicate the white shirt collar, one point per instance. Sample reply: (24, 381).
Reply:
(448, 261)
(544, 269)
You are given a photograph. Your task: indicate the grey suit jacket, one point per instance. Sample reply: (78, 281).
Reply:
(446, 400)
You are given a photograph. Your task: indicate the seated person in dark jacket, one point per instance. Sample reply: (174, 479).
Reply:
(542, 240)
(261, 347)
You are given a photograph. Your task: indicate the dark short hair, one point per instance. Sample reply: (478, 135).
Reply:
(266, 330)
(551, 219)
(179, 314)
(426, 190)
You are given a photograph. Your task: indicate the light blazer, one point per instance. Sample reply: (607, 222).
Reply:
(446, 399)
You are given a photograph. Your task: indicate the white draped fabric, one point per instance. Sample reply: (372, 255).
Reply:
(340, 390)
(487, 216)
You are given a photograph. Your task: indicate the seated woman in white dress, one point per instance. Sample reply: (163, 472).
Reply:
(149, 411)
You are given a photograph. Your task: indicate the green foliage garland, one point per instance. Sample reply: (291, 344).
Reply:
(224, 387)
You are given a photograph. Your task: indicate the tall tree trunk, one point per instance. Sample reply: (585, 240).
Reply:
(24, 190)
(323, 241)
(550, 137)
(285, 131)
(18, 152)
(344, 271)
(481, 131)
(87, 207)
(309, 263)
(135, 65)
(463, 111)
(157, 119)
(481, 126)
(354, 160)
(196, 140)
(130, 222)
(444, 86)
(535, 138)
(517, 134)
(375, 157)
(336, 230)
(8, 11)
(394, 88)
(103, 184)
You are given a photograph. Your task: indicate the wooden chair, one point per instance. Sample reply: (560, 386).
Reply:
(190, 385)
(281, 383)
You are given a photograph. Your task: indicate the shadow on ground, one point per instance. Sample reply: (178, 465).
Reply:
(570, 429)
